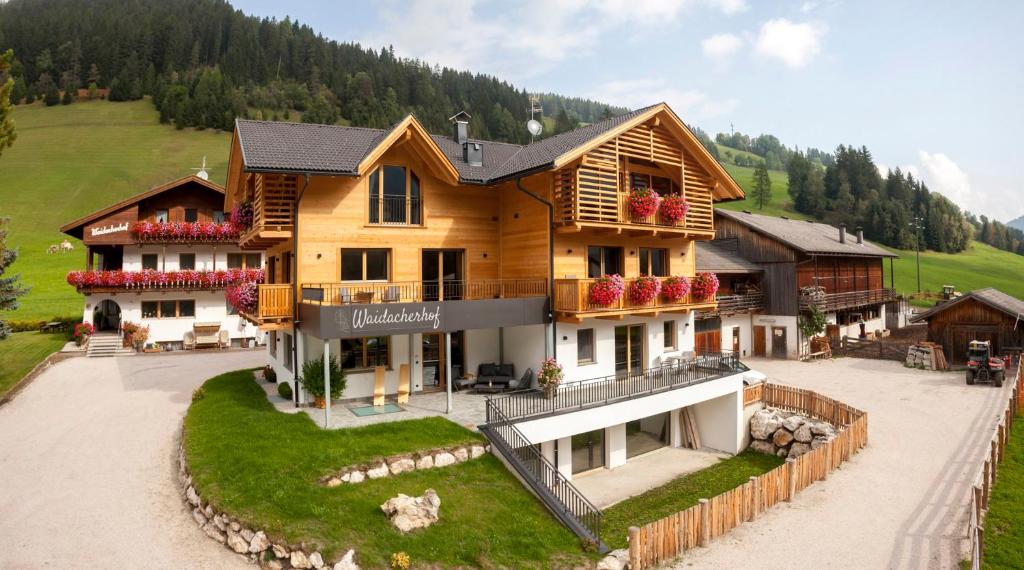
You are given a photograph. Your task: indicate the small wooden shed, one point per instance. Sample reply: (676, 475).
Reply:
(984, 314)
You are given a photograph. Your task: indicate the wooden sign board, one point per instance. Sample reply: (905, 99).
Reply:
(112, 229)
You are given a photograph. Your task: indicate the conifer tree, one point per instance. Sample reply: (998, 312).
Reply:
(10, 287)
(7, 132)
(762, 192)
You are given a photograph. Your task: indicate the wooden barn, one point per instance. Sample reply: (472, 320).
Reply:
(984, 314)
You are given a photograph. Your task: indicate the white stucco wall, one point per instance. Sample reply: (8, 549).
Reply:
(720, 422)
(168, 256)
(853, 330)
(746, 333)
(790, 323)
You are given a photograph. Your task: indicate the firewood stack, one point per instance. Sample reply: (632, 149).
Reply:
(927, 356)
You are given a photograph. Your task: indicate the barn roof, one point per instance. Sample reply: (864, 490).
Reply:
(721, 256)
(805, 236)
(989, 296)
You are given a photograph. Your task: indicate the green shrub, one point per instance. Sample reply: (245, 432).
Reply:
(198, 394)
(30, 325)
(284, 390)
(313, 378)
(269, 374)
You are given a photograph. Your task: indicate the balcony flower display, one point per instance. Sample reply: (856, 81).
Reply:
(705, 285)
(151, 278)
(644, 289)
(550, 376)
(205, 231)
(643, 202)
(243, 296)
(675, 288)
(242, 215)
(673, 208)
(607, 290)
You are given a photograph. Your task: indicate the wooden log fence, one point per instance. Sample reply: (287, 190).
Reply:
(981, 492)
(668, 538)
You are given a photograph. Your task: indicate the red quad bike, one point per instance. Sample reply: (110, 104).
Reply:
(982, 366)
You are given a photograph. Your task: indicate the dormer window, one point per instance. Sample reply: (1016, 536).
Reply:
(395, 197)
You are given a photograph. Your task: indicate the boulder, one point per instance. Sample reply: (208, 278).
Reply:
(762, 446)
(782, 452)
(316, 560)
(299, 560)
(410, 513)
(259, 543)
(803, 434)
(271, 564)
(356, 477)
(818, 441)
(461, 454)
(763, 424)
(208, 511)
(347, 562)
(237, 543)
(822, 428)
(333, 482)
(199, 517)
(793, 422)
(444, 459)
(213, 532)
(280, 551)
(798, 449)
(615, 560)
(401, 465)
(782, 438)
(476, 451)
(345, 477)
(192, 497)
(378, 471)
(247, 534)
(425, 462)
(220, 522)
(235, 526)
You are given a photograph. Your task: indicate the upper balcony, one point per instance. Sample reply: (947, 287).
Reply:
(827, 302)
(185, 232)
(115, 281)
(273, 210)
(741, 303)
(574, 301)
(273, 309)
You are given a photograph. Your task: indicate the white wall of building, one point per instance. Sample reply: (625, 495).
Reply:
(208, 257)
(792, 334)
(853, 330)
(720, 422)
(742, 322)
(524, 347)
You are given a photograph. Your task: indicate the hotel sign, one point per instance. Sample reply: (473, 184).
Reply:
(381, 319)
(111, 229)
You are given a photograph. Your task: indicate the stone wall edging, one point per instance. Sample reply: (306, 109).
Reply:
(405, 462)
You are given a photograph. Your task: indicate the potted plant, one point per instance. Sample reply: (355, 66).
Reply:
(673, 208)
(675, 288)
(128, 329)
(140, 336)
(82, 333)
(244, 296)
(705, 285)
(643, 203)
(550, 377)
(606, 290)
(312, 380)
(242, 216)
(644, 289)
(269, 374)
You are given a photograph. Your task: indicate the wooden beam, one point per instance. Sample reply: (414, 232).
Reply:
(569, 320)
(611, 317)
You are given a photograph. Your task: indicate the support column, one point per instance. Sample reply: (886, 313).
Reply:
(675, 428)
(448, 371)
(565, 457)
(88, 258)
(615, 446)
(547, 450)
(327, 384)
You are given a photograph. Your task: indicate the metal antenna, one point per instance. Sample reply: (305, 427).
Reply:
(533, 125)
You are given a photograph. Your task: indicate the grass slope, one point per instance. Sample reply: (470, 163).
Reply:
(71, 160)
(978, 267)
(1004, 526)
(779, 204)
(21, 351)
(263, 466)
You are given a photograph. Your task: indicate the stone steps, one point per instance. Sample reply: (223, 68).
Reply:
(101, 346)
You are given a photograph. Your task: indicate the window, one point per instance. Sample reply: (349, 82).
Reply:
(603, 261)
(364, 264)
(396, 199)
(166, 309)
(191, 215)
(149, 310)
(670, 335)
(186, 261)
(366, 352)
(653, 262)
(187, 308)
(161, 216)
(149, 261)
(218, 216)
(659, 184)
(585, 346)
(288, 351)
(244, 261)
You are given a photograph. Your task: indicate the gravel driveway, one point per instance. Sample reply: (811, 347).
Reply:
(88, 468)
(902, 501)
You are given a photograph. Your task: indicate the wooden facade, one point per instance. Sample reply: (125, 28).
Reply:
(954, 327)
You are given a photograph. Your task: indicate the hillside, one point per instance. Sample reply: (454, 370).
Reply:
(780, 204)
(1018, 223)
(979, 266)
(71, 160)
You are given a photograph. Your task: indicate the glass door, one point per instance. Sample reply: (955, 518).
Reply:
(442, 274)
(433, 361)
(629, 349)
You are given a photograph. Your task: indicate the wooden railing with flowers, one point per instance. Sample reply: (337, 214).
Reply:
(151, 279)
(271, 210)
(185, 232)
(273, 304)
(579, 296)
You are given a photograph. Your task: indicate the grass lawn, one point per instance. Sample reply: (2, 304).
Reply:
(263, 466)
(22, 351)
(71, 160)
(682, 493)
(979, 266)
(1004, 526)
(779, 204)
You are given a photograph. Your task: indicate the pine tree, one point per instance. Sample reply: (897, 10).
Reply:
(762, 191)
(68, 98)
(10, 287)
(52, 95)
(7, 132)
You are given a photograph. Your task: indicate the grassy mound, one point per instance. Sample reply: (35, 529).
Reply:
(21, 351)
(263, 466)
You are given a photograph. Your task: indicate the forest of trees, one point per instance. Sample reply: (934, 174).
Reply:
(997, 234)
(775, 154)
(204, 63)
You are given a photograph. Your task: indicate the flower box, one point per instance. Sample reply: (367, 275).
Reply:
(644, 289)
(153, 279)
(673, 209)
(607, 290)
(185, 231)
(675, 289)
(705, 285)
(643, 203)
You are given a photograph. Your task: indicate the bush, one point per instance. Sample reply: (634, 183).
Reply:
(269, 374)
(313, 378)
(284, 390)
(198, 394)
(22, 325)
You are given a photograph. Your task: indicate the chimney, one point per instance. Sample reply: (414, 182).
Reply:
(473, 153)
(460, 127)
(842, 233)
(860, 234)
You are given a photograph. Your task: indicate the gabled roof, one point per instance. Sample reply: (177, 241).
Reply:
(78, 224)
(806, 236)
(994, 298)
(329, 149)
(717, 256)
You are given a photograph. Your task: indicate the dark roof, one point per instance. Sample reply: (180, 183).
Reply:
(992, 297)
(805, 236)
(720, 256)
(303, 147)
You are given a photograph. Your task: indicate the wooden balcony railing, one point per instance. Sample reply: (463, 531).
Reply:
(735, 304)
(273, 201)
(273, 307)
(421, 291)
(572, 299)
(848, 300)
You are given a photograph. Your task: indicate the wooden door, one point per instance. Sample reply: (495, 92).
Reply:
(760, 341)
(779, 346)
(962, 335)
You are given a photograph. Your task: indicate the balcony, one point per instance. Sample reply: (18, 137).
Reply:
(210, 233)
(739, 304)
(827, 302)
(420, 291)
(273, 307)
(573, 303)
(115, 281)
(273, 215)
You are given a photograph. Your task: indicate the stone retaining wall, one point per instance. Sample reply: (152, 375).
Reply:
(778, 432)
(403, 463)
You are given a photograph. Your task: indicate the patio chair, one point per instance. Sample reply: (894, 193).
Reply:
(224, 338)
(392, 294)
(525, 382)
(189, 340)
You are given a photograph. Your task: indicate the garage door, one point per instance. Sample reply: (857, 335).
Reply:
(962, 335)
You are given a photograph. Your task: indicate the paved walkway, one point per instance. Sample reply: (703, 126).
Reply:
(88, 465)
(606, 487)
(902, 501)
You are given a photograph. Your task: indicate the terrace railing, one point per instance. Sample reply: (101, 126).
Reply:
(734, 304)
(395, 211)
(848, 300)
(573, 296)
(585, 394)
(420, 291)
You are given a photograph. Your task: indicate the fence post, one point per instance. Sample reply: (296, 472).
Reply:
(981, 543)
(634, 547)
(791, 470)
(705, 521)
(986, 483)
(994, 459)
(755, 490)
(1002, 442)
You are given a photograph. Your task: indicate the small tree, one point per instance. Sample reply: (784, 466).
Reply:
(762, 192)
(10, 287)
(7, 133)
(68, 98)
(312, 378)
(813, 323)
(52, 96)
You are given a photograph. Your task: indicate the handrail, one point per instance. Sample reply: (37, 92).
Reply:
(564, 500)
(847, 299)
(739, 303)
(585, 394)
(572, 295)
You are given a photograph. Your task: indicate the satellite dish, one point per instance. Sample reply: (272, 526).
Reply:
(534, 127)
(203, 174)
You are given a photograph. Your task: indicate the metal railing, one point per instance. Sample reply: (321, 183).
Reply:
(397, 210)
(419, 291)
(732, 304)
(564, 500)
(584, 394)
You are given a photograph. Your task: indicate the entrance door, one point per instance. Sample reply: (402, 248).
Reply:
(107, 316)
(779, 347)
(760, 341)
(736, 340)
(442, 271)
(433, 359)
(629, 349)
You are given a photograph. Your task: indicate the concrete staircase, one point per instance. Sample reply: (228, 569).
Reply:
(105, 344)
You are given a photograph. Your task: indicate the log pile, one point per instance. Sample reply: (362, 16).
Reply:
(691, 435)
(927, 356)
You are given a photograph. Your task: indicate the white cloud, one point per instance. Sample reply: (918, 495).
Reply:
(721, 46)
(943, 175)
(795, 44)
(645, 11)
(728, 7)
(808, 6)
(690, 104)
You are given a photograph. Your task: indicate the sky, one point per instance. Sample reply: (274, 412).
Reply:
(935, 88)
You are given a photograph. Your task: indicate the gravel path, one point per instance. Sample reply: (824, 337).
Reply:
(902, 501)
(88, 475)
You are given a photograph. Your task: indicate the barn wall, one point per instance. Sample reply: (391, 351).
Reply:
(971, 320)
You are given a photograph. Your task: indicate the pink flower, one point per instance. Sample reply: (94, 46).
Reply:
(705, 285)
(607, 290)
(644, 289)
(643, 203)
(675, 288)
(673, 209)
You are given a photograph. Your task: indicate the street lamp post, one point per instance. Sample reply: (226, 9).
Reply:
(918, 225)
